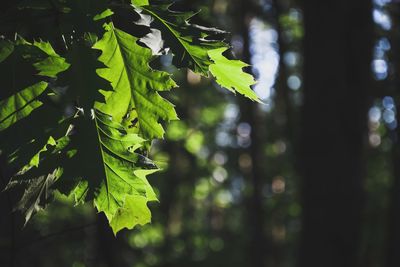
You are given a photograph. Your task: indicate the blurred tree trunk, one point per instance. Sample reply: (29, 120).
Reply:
(284, 107)
(105, 243)
(250, 113)
(337, 52)
(169, 199)
(393, 231)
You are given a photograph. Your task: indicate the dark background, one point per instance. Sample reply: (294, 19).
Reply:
(310, 179)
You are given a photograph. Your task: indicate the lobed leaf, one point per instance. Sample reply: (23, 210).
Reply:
(122, 176)
(135, 84)
(37, 182)
(189, 43)
(229, 74)
(97, 153)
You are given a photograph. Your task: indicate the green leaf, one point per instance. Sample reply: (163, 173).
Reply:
(20, 105)
(37, 182)
(98, 153)
(34, 162)
(106, 13)
(134, 212)
(6, 49)
(121, 178)
(80, 192)
(189, 43)
(81, 79)
(140, 2)
(24, 98)
(123, 173)
(135, 84)
(53, 64)
(37, 192)
(229, 74)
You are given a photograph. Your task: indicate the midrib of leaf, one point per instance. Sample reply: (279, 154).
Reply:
(105, 163)
(134, 99)
(166, 23)
(42, 188)
(102, 158)
(18, 110)
(118, 46)
(24, 101)
(108, 148)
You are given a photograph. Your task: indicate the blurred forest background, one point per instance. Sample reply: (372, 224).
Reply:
(310, 178)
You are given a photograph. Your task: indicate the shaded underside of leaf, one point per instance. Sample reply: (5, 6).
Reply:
(120, 165)
(189, 43)
(37, 182)
(36, 194)
(120, 174)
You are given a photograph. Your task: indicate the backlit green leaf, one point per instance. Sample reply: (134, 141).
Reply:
(135, 84)
(121, 177)
(20, 105)
(229, 74)
(23, 101)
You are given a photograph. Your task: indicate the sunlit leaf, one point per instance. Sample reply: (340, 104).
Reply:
(122, 175)
(135, 84)
(23, 101)
(229, 74)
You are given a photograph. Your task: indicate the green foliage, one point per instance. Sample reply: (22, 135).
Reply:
(80, 121)
(122, 177)
(45, 61)
(189, 43)
(135, 84)
(229, 74)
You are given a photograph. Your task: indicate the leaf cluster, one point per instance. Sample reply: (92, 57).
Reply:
(80, 102)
